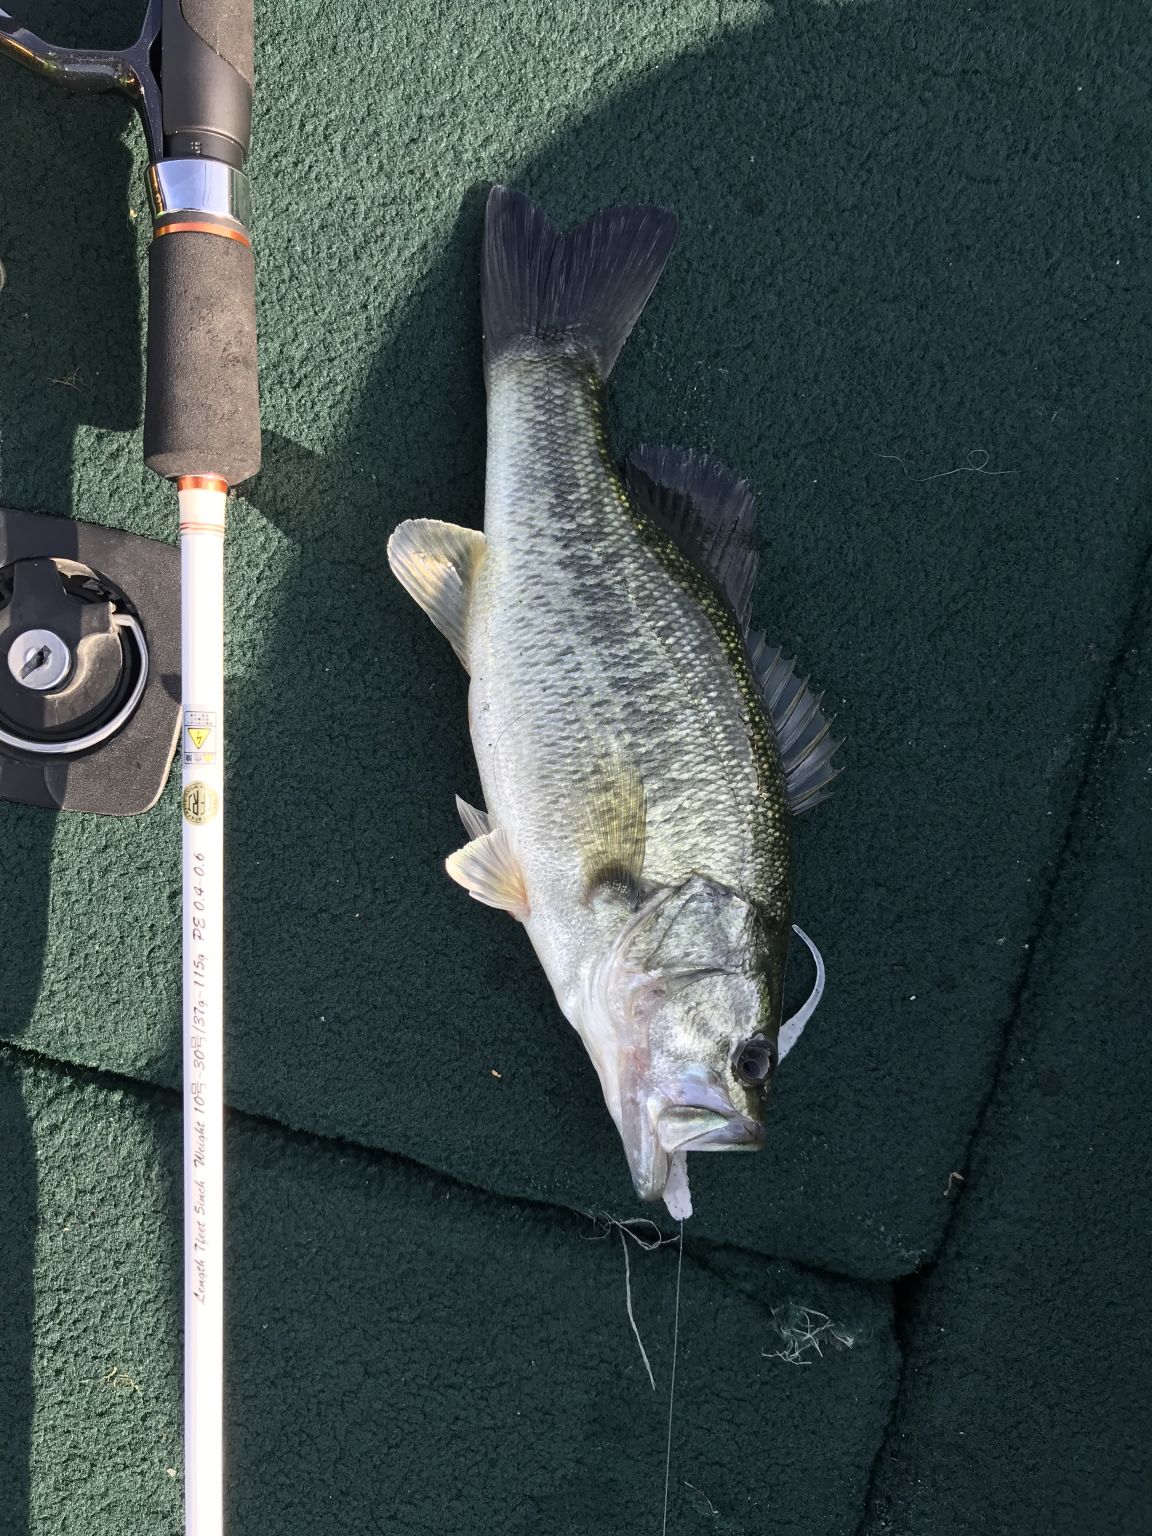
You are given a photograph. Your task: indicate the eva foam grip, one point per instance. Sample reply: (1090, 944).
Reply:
(202, 410)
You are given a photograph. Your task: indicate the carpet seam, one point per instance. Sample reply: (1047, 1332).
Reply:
(145, 1091)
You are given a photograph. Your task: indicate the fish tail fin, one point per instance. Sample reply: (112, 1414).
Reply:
(547, 293)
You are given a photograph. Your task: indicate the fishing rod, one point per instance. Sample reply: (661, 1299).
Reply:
(189, 74)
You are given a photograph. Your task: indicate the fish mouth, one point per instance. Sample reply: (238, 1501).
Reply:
(701, 1130)
(667, 1124)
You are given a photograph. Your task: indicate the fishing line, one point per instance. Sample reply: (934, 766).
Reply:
(672, 1383)
(631, 1314)
(977, 465)
(605, 1223)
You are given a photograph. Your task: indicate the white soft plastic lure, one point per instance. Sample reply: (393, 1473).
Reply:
(643, 751)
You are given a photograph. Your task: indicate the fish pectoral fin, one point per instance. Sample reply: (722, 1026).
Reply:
(803, 730)
(613, 833)
(436, 564)
(490, 872)
(707, 511)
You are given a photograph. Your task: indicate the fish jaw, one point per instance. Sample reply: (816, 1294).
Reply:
(661, 1110)
(665, 1122)
(663, 1048)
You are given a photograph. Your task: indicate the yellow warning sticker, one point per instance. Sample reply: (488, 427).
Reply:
(200, 728)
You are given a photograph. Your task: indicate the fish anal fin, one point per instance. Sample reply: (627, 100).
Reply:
(489, 871)
(436, 564)
(707, 511)
(612, 837)
(803, 730)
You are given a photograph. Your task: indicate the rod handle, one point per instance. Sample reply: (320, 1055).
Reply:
(202, 407)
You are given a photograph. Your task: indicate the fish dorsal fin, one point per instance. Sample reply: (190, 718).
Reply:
(614, 827)
(708, 512)
(803, 731)
(490, 872)
(436, 564)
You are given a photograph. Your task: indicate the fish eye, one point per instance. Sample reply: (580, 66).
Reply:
(755, 1062)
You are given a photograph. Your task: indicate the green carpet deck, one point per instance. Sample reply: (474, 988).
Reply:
(907, 302)
(406, 1354)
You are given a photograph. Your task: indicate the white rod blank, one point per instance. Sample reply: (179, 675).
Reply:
(202, 758)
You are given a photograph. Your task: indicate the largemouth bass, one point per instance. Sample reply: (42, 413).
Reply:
(642, 750)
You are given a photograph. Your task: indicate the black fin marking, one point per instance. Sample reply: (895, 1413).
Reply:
(707, 510)
(614, 830)
(803, 731)
(546, 293)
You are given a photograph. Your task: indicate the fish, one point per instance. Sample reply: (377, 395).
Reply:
(643, 751)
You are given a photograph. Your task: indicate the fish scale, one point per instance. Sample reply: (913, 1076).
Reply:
(581, 640)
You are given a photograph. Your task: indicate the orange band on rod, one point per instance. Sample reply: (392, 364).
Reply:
(227, 230)
(202, 528)
(201, 483)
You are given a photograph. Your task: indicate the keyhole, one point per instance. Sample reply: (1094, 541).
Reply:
(34, 659)
(39, 659)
